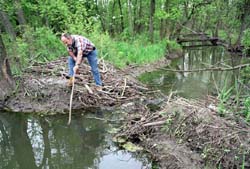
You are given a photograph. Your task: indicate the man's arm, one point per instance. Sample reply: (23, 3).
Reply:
(79, 57)
(72, 55)
(78, 61)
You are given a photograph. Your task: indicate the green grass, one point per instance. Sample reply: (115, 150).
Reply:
(246, 110)
(122, 53)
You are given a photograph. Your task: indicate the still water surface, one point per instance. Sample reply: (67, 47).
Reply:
(32, 142)
(195, 84)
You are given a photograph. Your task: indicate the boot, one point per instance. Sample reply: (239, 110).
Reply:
(98, 88)
(70, 82)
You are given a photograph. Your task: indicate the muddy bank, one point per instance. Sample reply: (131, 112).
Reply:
(43, 89)
(190, 134)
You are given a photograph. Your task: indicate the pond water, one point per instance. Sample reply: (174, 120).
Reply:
(32, 142)
(195, 84)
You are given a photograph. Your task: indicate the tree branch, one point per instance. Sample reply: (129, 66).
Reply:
(208, 69)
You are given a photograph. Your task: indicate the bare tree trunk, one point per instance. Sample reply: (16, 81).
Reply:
(130, 19)
(121, 16)
(101, 18)
(112, 25)
(151, 20)
(20, 13)
(135, 16)
(138, 27)
(243, 19)
(163, 26)
(216, 32)
(7, 25)
(6, 82)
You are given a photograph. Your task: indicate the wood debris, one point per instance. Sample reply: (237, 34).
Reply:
(118, 87)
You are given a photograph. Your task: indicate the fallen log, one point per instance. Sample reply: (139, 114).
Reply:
(215, 41)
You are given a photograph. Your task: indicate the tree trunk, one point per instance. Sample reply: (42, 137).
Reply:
(113, 19)
(7, 25)
(130, 19)
(6, 82)
(151, 20)
(162, 28)
(20, 13)
(135, 16)
(138, 26)
(121, 16)
(243, 19)
(163, 25)
(101, 18)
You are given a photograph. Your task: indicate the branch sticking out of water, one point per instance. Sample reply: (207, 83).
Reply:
(208, 69)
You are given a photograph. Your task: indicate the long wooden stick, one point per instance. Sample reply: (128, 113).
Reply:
(71, 99)
(125, 84)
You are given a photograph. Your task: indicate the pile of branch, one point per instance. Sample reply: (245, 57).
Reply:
(118, 87)
(220, 141)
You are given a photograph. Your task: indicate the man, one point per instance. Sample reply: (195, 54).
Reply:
(79, 47)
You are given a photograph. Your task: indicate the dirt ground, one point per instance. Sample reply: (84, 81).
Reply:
(178, 134)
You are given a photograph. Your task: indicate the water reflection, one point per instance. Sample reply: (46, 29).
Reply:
(28, 142)
(195, 85)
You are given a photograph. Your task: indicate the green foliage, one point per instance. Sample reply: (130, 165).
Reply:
(44, 45)
(245, 75)
(223, 98)
(173, 45)
(59, 15)
(79, 19)
(122, 53)
(132, 147)
(39, 45)
(246, 39)
(243, 161)
(55, 13)
(173, 14)
(246, 110)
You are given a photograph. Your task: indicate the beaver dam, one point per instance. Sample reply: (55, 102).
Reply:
(177, 133)
(43, 88)
(190, 134)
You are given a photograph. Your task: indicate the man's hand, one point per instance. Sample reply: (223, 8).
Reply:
(76, 68)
